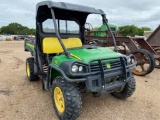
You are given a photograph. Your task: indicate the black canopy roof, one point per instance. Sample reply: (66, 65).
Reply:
(69, 6)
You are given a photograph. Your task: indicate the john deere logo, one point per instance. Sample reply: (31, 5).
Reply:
(108, 66)
(56, 61)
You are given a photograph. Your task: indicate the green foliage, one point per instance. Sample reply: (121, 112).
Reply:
(142, 29)
(132, 30)
(17, 29)
(95, 28)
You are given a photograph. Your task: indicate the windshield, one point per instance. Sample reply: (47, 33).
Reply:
(97, 30)
(93, 22)
(64, 26)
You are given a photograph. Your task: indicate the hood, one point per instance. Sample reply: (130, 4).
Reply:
(86, 55)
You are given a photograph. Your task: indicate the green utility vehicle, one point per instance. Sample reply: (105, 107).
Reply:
(113, 28)
(69, 67)
(101, 31)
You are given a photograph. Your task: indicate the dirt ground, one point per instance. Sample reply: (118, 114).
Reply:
(24, 100)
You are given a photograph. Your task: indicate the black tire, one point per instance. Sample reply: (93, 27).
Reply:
(71, 96)
(152, 61)
(30, 74)
(127, 91)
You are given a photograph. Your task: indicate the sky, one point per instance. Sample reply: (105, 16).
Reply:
(119, 12)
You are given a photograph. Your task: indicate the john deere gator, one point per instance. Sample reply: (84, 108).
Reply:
(67, 66)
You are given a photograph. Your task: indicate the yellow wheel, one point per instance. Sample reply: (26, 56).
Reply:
(66, 99)
(30, 69)
(59, 99)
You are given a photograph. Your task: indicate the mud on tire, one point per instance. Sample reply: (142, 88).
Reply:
(71, 97)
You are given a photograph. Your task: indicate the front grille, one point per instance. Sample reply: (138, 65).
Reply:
(115, 64)
(95, 67)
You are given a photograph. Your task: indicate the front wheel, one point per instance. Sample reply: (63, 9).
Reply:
(66, 99)
(127, 91)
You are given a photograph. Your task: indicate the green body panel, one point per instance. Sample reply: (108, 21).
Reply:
(57, 60)
(54, 74)
(86, 55)
(97, 53)
(30, 46)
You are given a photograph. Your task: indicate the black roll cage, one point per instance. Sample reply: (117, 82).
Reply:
(81, 20)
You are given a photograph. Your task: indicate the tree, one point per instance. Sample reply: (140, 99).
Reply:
(129, 30)
(142, 29)
(132, 30)
(16, 28)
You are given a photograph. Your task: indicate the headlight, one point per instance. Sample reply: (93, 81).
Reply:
(74, 68)
(80, 69)
(77, 68)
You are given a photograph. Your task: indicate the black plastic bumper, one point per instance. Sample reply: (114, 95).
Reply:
(95, 83)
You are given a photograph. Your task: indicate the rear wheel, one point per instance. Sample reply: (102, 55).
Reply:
(30, 69)
(127, 91)
(66, 99)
